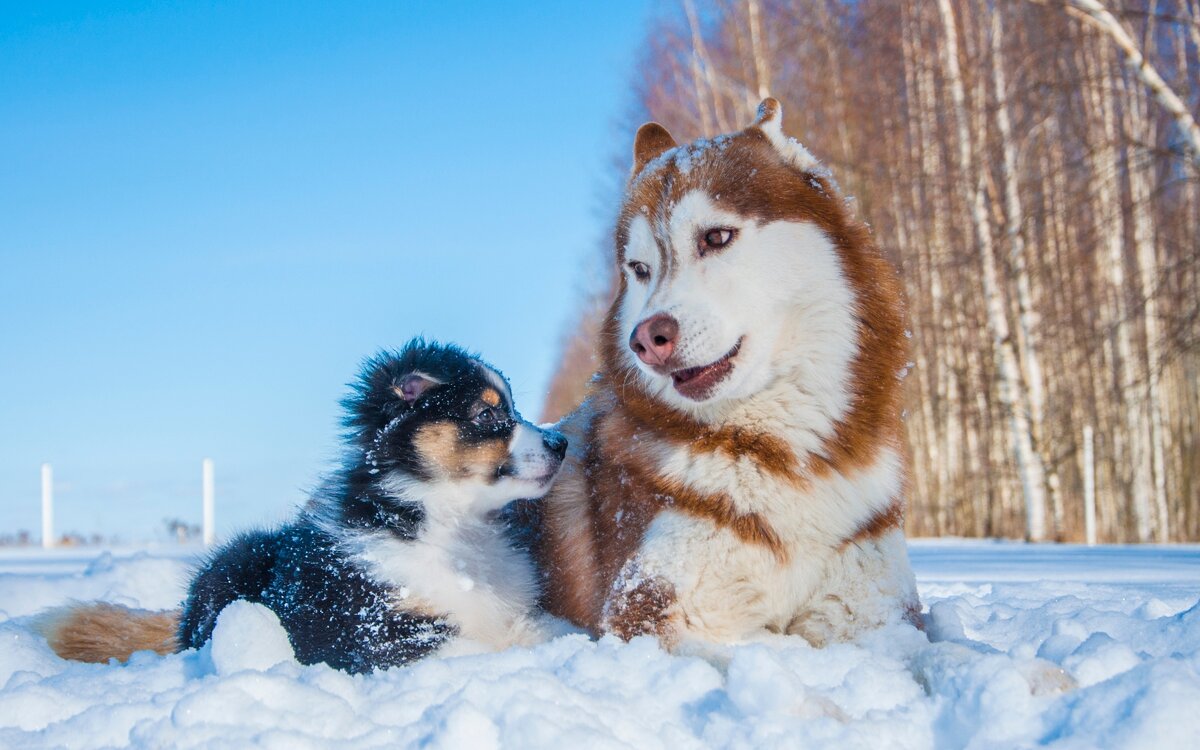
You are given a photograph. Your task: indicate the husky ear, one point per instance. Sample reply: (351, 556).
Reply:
(769, 116)
(770, 121)
(651, 141)
(411, 386)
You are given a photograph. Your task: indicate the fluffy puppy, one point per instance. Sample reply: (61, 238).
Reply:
(398, 554)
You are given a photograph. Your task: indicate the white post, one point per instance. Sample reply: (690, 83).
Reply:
(209, 509)
(47, 506)
(1089, 487)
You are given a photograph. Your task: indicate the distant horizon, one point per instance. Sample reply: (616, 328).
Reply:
(213, 215)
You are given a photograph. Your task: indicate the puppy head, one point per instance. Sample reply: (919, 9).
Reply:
(434, 424)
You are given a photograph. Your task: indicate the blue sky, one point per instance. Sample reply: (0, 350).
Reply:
(210, 212)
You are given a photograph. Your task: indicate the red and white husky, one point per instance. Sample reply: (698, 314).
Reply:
(739, 464)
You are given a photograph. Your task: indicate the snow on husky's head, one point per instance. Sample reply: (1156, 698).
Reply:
(741, 267)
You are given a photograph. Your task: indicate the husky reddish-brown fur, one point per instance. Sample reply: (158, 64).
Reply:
(616, 485)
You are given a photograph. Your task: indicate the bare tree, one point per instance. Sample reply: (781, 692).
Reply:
(1097, 15)
(1043, 205)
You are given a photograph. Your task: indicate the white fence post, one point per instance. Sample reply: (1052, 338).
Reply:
(209, 503)
(47, 506)
(1089, 487)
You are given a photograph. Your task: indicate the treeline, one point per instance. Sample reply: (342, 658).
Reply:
(1043, 207)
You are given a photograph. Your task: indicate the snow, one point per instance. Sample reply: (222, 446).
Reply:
(685, 157)
(248, 637)
(1057, 646)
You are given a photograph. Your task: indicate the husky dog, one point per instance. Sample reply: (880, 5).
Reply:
(739, 465)
(393, 558)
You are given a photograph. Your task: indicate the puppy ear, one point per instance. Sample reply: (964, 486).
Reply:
(386, 390)
(411, 386)
(651, 141)
(769, 120)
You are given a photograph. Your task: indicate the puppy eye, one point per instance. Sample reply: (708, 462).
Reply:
(487, 418)
(640, 270)
(491, 417)
(715, 239)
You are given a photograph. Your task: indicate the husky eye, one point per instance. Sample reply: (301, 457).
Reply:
(715, 239)
(640, 270)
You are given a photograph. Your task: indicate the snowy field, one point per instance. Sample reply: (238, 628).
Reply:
(1026, 646)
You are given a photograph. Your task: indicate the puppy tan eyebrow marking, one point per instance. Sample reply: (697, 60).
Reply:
(497, 380)
(490, 397)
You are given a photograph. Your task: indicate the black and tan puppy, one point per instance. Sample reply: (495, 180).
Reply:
(398, 554)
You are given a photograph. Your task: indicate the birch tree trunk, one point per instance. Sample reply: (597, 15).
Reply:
(1140, 191)
(704, 61)
(702, 92)
(1029, 464)
(762, 69)
(1130, 457)
(1026, 315)
(947, 414)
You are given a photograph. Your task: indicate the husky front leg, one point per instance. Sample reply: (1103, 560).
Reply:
(642, 603)
(689, 581)
(644, 597)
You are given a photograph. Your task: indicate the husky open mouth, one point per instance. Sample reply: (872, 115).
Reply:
(697, 382)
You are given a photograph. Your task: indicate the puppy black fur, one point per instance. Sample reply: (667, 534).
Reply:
(332, 606)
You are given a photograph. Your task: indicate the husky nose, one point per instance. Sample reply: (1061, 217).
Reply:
(555, 443)
(653, 340)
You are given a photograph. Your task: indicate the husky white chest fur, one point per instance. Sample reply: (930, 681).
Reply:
(739, 464)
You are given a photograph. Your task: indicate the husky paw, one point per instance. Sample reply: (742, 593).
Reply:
(643, 608)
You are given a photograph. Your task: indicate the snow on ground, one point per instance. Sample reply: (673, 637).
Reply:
(1061, 646)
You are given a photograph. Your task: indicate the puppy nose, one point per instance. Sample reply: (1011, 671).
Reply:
(653, 340)
(555, 443)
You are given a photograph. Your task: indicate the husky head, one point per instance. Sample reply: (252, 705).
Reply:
(433, 424)
(741, 268)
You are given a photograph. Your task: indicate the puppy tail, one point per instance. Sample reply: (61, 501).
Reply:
(99, 631)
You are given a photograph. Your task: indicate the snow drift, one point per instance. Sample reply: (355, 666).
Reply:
(1025, 646)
